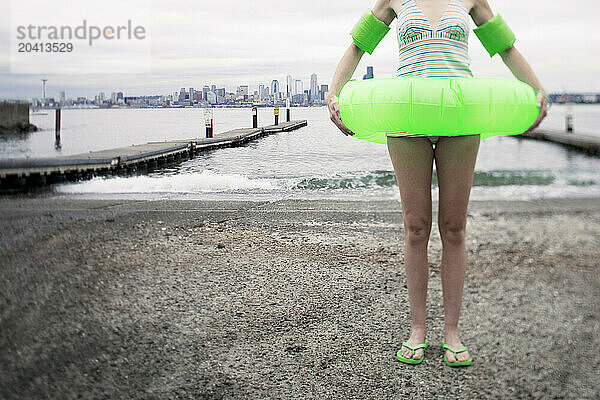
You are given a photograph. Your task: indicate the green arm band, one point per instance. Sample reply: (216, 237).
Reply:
(368, 32)
(495, 35)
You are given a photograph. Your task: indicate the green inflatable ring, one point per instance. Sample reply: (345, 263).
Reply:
(376, 108)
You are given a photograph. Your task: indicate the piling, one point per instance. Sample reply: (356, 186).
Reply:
(254, 117)
(276, 112)
(57, 121)
(208, 120)
(569, 122)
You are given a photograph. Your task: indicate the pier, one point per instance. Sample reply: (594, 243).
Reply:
(588, 143)
(30, 172)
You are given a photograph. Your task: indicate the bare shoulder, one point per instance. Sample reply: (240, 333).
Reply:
(481, 12)
(383, 11)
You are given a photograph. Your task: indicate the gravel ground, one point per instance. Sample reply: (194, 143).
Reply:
(287, 299)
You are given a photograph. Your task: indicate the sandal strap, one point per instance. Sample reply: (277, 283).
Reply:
(415, 348)
(462, 350)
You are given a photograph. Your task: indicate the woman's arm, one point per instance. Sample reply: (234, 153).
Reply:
(383, 11)
(343, 73)
(514, 60)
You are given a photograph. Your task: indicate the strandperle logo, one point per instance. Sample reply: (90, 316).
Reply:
(84, 31)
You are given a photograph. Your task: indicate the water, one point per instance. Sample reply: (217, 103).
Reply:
(317, 161)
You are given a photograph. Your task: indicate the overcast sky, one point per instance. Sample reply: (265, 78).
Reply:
(231, 43)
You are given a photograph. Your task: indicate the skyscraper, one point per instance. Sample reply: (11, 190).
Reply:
(289, 86)
(369, 74)
(261, 92)
(44, 89)
(313, 87)
(298, 87)
(324, 90)
(275, 88)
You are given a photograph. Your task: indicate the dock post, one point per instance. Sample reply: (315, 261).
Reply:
(569, 122)
(288, 113)
(57, 127)
(569, 118)
(276, 112)
(208, 119)
(254, 117)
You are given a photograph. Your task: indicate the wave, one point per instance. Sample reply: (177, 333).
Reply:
(207, 181)
(497, 184)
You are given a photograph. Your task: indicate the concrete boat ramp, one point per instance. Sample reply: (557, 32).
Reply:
(30, 172)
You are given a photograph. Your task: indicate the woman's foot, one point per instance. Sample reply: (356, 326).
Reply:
(417, 336)
(451, 339)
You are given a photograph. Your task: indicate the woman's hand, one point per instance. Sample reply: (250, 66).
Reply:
(334, 114)
(542, 103)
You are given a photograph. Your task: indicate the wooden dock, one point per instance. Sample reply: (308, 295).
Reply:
(20, 173)
(585, 142)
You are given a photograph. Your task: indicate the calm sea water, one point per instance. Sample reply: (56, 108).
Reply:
(317, 161)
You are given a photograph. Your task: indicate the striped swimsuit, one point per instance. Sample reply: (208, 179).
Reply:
(427, 52)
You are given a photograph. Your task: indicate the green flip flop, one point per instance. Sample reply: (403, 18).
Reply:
(411, 360)
(456, 363)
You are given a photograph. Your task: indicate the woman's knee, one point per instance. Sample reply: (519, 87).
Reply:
(453, 233)
(417, 231)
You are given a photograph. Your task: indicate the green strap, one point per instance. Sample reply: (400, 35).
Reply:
(417, 347)
(462, 350)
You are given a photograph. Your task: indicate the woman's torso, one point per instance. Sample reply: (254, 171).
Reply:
(439, 50)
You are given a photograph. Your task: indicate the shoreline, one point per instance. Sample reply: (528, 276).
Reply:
(288, 299)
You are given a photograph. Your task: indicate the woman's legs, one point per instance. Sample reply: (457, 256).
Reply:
(412, 159)
(455, 162)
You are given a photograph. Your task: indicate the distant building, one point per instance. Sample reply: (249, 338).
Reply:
(275, 88)
(211, 97)
(183, 96)
(313, 93)
(261, 92)
(244, 90)
(289, 86)
(324, 90)
(298, 87)
(298, 99)
(369, 74)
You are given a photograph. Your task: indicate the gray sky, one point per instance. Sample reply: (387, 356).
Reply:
(230, 43)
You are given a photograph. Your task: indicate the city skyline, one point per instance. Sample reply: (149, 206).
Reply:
(292, 92)
(275, 91)
(297, 85)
